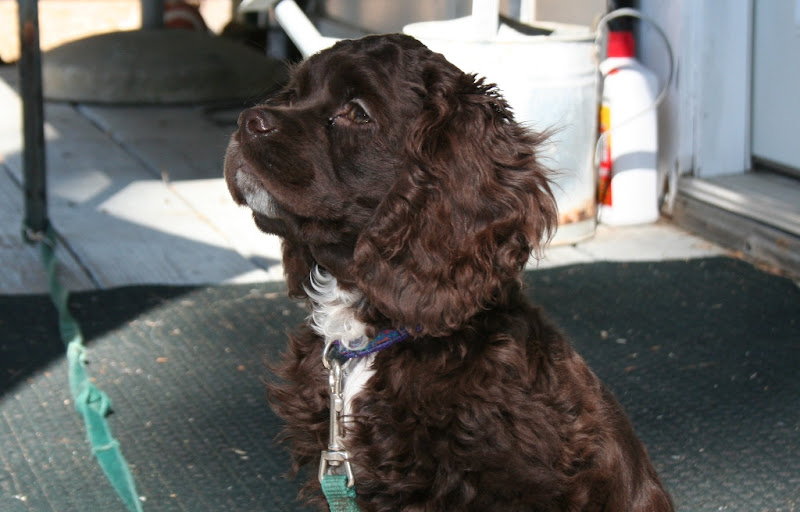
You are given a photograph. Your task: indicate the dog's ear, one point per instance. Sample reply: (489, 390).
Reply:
(463, 218)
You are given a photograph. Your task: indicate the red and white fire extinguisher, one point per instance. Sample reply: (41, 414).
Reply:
(628, 177)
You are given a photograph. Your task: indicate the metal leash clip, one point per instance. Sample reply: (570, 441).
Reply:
(335, 456)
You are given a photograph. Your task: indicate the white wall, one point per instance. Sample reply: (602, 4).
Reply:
(776, 82)
(704, 123)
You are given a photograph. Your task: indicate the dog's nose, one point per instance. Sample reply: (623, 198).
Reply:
(256, 122)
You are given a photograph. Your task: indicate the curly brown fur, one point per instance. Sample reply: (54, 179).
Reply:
(410, 182)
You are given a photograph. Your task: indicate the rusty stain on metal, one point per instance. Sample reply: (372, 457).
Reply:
(585, 211)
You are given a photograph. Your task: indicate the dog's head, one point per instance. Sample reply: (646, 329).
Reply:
(401, 175)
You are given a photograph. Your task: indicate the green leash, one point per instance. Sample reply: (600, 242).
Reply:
(92, 404)
(340, 497)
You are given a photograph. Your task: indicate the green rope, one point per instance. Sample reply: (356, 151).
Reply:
(92, 404)
(340, 497)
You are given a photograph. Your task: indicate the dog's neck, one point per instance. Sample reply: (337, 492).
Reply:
(333, 313)
(333, 316)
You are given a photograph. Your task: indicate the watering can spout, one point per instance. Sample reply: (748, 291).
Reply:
(301, 31)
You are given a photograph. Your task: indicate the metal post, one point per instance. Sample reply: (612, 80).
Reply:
(152, 13)
(33, 156)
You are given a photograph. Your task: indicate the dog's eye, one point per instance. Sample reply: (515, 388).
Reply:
(356, 113)
(353, 112)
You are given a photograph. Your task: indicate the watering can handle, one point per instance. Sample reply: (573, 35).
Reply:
(301, 31)
(309, 41)
(485, 16)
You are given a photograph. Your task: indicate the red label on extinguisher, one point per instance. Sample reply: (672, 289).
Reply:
(604, 177)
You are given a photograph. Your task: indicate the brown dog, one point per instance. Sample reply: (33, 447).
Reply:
(409, 199)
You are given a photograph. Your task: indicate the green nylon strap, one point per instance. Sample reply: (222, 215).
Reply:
(91, 403)
(340, 497)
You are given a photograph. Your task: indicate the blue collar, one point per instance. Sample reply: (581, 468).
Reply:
(382, 340)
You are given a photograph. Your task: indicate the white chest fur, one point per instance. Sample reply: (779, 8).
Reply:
(333, 317)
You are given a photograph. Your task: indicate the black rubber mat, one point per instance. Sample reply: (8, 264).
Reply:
(704, 355)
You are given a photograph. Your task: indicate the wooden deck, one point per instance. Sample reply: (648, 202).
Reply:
(136, 197)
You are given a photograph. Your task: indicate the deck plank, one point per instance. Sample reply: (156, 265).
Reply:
(211, 199)
(176, 143)
(23, 272)
(145, 233)
(186, 146)
(124, 225)
(11, 120)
